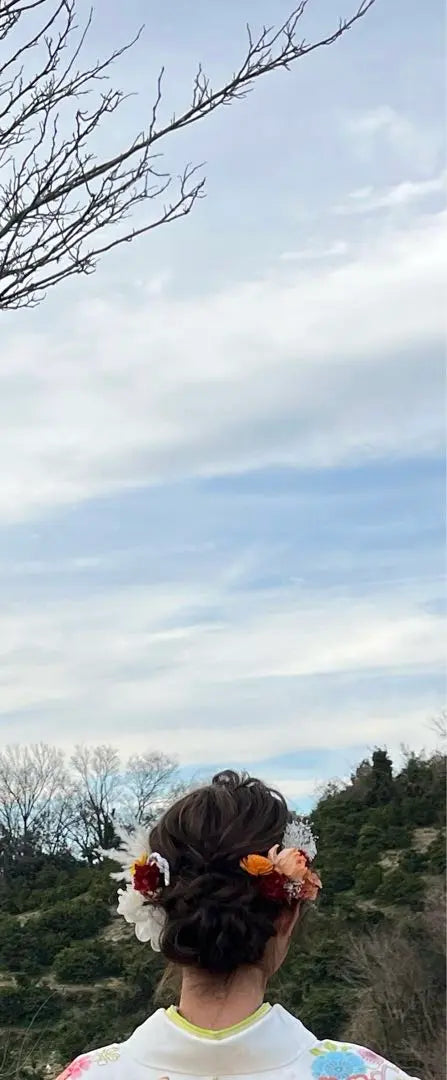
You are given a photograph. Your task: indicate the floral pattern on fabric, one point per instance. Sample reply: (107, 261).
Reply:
(337, 1062)
(106, 1055)
(333, 1063)
(79, 1067)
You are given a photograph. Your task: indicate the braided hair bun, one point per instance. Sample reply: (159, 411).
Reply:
(216, 918)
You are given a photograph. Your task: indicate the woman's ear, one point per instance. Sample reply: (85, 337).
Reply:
(278, 946)
(287, 921)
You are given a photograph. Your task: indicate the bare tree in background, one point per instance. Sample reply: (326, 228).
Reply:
(149, 781)
(58, 196)
(33, 785)
(439, 725)
(398, 975)
(98, 789)
(48, 806)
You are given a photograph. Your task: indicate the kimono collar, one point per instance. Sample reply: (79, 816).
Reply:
(273, 1041)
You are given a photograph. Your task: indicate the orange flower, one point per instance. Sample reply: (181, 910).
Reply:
(290, 862)
(311, 886)
(256, 865)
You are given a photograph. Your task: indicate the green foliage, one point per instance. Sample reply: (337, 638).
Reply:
(29, 1002)
(370, 841)
(380, 789)
(358, 823)
(324, 1010)
(369, 880)
(436, 855)
(75, 919)
(398, 836)
(143, 972)
(34, 945)
(422, 790)
(36, 881)
(77, 1034)
(414, 862)
(400, 887)
(86, 962)
(22, 948)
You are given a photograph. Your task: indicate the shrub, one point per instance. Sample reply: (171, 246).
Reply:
(370, 841)
(436, 855)
(398, 837)
(323, 1010)
(28, 1002)
(76, 1036)
(369, 880)
(22, 948)
(414, 862)
(144, 972)
(86, 962)
(33, 946)
(75, 919)
(399, 887)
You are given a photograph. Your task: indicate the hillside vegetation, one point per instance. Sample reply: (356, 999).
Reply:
(368, 965)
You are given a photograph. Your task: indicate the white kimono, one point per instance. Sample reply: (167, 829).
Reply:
(272, 1045)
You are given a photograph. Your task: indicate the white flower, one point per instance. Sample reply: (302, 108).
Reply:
(148, 919)
(152, 927)
(133, 846)
(131, 904)
(298, 834)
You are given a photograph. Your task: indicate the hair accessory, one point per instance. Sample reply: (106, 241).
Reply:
(256, 865)
(146, 873)
(298, 834)
(285, 874)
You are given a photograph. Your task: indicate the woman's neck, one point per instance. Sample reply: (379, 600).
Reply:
(215, 1004)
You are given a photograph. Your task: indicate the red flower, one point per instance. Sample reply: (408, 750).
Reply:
(272, 886)
(146, 878)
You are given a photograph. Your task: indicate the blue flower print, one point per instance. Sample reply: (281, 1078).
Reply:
(338, 1065)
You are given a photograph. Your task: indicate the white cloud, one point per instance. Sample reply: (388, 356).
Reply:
(385, 129)
(278, 670)
(367, 199)
(316, 368)
(296, 789)
(379, 119)
(332, 251)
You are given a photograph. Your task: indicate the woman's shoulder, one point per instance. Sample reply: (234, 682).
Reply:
(317, 1060)
(346, 1061)
(103, 1062)
(327, 1059)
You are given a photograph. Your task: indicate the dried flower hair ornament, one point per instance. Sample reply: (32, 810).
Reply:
(145, 873)
(285, 874)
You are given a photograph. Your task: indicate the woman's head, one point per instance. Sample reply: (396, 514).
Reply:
(217, 917)
(220, 880)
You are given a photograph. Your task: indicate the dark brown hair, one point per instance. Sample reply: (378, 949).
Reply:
(216, 918)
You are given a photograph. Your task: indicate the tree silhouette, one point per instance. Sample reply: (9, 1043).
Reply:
(62, 204)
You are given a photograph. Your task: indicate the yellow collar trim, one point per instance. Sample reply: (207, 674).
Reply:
(205, 1033)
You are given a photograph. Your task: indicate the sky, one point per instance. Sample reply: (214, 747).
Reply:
(222, 467)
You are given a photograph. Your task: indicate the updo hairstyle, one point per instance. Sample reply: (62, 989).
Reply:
(216, 918)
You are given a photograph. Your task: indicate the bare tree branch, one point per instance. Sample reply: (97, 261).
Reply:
(99, 787)
(56, 195)
(396, 974)
(149, 781)
(32, 779)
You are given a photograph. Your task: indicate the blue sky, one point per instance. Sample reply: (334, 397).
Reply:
(222, 491)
